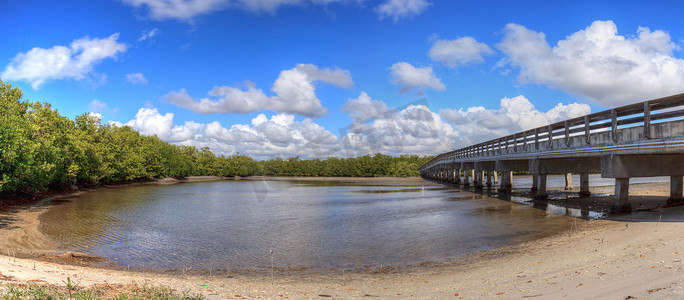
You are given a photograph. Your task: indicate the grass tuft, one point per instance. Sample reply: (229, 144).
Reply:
(132, 291)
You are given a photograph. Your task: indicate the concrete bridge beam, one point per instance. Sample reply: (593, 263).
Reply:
(466, 179)
(565, 165)
(485, 165)
(584, 185)
(506, 167)
(622, 167)
(541, 188)
(568, 181)
(506, 182)
(676, 190)
(479, 176)
(512, 165)
(626, 166)
(621, 204)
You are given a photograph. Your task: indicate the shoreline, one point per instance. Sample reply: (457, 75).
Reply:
(608, 261)
(482, 274)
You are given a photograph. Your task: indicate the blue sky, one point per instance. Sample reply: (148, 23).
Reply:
(318, 78)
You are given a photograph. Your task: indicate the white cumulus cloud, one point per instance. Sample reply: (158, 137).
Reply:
(364, 108)
(477, 124)
(460, 51)
(98, 106)
(272, 5)
(278, 136)
(400, 9)
(409, 78)
(76, 61)
(597, 63)
(186, 10)
(148, 121)
(177, 9)
(148, 34)
(294, 93)
(136, 78)
(377, 128)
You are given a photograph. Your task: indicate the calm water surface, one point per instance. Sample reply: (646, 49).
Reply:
(235, 224)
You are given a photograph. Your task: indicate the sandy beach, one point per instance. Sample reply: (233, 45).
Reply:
(638, 255)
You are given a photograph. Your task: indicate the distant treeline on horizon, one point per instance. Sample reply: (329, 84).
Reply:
(42, 150)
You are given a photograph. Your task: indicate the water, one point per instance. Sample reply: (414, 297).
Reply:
(555, 181)
(318, 225)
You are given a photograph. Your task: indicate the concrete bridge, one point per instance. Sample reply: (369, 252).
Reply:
(640, 140)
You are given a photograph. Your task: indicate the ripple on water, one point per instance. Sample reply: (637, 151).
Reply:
(235, 224)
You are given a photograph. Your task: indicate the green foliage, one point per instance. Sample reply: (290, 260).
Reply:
(40, 150)
(362, 166)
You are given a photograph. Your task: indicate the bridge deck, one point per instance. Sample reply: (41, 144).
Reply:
(639, 140)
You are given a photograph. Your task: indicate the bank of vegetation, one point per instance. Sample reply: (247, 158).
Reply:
(42, 150)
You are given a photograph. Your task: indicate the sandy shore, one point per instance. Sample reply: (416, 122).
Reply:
(638, 255)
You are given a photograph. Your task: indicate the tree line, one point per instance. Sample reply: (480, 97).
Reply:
(41, 149)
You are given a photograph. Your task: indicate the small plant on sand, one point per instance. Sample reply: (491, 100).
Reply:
(147, 291)
(133, 291)
(70, 285)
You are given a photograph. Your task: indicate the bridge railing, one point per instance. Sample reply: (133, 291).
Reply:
(638, 114)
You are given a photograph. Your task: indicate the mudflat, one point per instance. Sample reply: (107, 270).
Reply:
(638, 255)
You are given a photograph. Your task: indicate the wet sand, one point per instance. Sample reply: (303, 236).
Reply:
(638, 255)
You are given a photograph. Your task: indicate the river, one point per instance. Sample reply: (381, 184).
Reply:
(318, 225)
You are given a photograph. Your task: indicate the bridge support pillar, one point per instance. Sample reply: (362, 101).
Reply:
(584, 185)
(676, 190)
(466, 178)
(496, 179)
(568, 181)
(457, 175)
(479, 176)
(506, 182)
(489, 178)
(621, 204)
(541, 188)
(535, 182)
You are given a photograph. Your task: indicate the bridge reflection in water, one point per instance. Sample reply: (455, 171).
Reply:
(640, 140)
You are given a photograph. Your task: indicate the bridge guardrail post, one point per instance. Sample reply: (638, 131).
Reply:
(647, 120)
(613, 124)
(587, 130)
